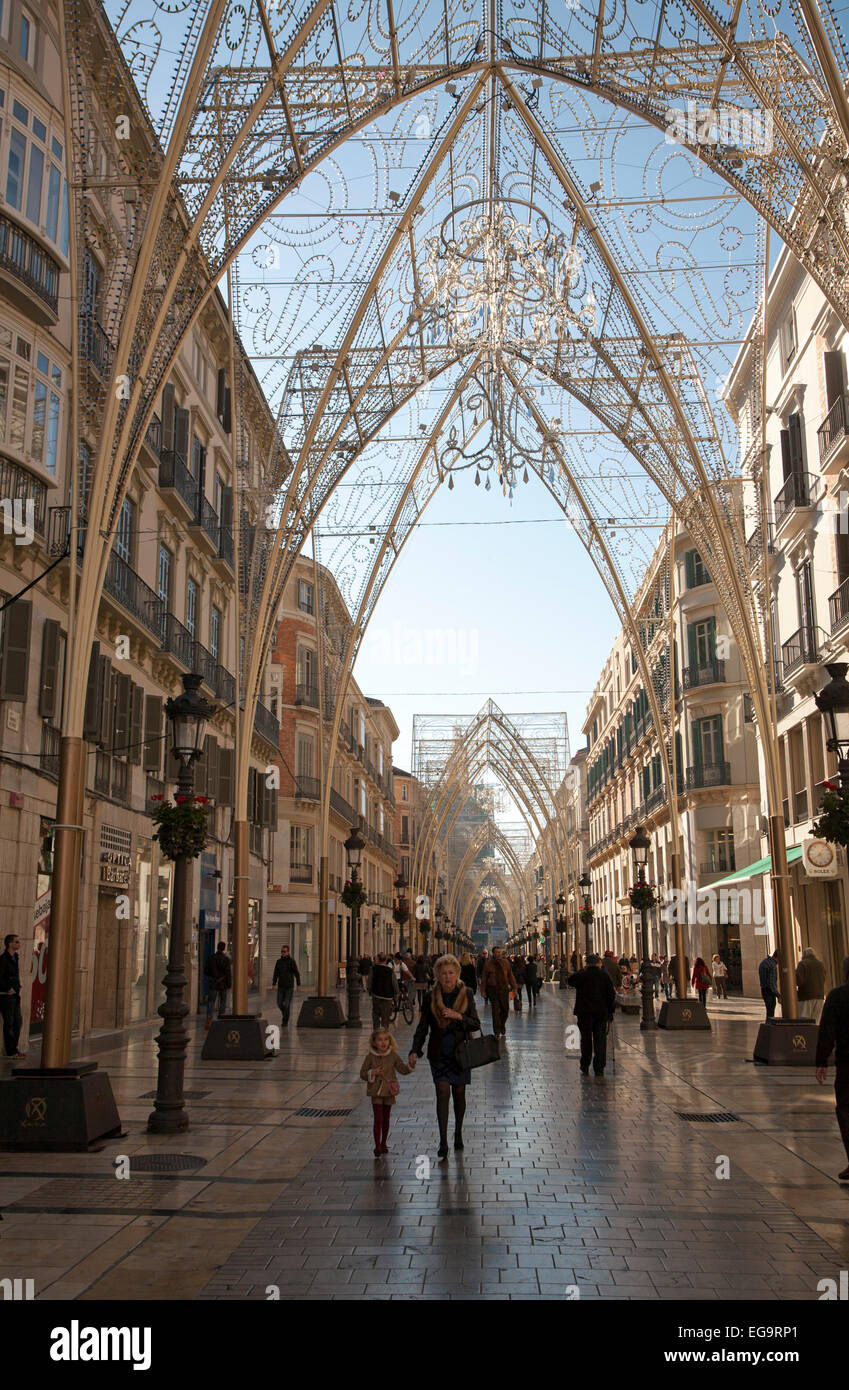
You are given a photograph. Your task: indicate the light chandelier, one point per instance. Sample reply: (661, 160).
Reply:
(505, 288)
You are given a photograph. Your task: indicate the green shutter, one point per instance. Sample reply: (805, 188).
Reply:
(226, 757)
(91, 717)
(47, 691)
(697, 742)
(692, 646)
(121, 725)
(152, 757)
(134, 752)
(14, 650)
(690, 568)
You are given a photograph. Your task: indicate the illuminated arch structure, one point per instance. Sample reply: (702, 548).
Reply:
(247, 110)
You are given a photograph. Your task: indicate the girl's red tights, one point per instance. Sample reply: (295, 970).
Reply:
(382, 1116)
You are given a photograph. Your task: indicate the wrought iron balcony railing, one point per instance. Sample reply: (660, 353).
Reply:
(308, 788)
(708, 775)
(174, 473)
(22, 256)
(153, 435)
(129, 589)
(266, 725)
(800, 490)
(95, 346)
(225, 544)
(834, 428)
(306, 695)
(51, 739)
(838, 606)
(17, 484)
(300, 873)
(802, 649)
(708, 673)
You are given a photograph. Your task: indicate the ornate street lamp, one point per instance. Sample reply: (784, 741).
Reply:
(354, 846)
(401, 913)
(833, 704)
(585, 884)
(563, 930)
(188, 716)
(639, 847)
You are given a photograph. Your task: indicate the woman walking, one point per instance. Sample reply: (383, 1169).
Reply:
(531, 981)
(719, 971)
(468, 973)
(422, 976)
(449, 1017)
(701, 980)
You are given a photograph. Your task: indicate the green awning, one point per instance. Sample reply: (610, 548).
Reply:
(760, 866)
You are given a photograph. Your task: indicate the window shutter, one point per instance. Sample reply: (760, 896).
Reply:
(134, 752)
(47, 692)
(226, 517)
(106, 698)
(797, 457)
(690, 568)
(14, 651)
(786, 465)
(835, 376)
(226, 769)
(251, 796)
(711, 622)
(91, 717)
(692, 649)
(152, 757)
(201, 768)
(121, 724)
(181, 433)
(212, 752)
(220, 389)
(697, 742)
(271, 813)
(168, 408)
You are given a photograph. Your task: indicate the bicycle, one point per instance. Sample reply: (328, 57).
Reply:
(402, 1004)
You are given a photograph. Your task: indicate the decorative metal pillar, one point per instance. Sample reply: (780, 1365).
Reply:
(354, 846)
(639, 847)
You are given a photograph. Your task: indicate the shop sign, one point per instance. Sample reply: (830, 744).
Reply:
(114, 869)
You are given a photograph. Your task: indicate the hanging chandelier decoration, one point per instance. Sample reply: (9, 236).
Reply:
(501, 284)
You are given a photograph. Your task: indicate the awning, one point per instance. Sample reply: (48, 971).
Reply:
(760, 866)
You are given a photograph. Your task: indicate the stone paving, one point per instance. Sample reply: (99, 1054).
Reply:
(568, 1186)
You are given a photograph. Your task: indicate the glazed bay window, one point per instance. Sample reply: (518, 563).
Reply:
(34, 184)
(305, 597)
(215, 631)
(300, 857)
(191, 607)
(163, 577)
(720, 852)
(30, 400)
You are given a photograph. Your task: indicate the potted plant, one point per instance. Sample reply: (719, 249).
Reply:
(401, 914)
(587, 916)
(833, 821)
(181, 825)
(354, 896)
(642, 897)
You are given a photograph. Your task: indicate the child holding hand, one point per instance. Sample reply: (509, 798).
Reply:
(378, 1071)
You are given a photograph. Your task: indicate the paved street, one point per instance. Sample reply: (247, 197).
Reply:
(566, 1183)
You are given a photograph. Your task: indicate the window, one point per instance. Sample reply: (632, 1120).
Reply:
(789, 340)
(304, 753)
(35, 184)
(701, 643)
(695, 570)
(25, 42)
(299, 846)
(305, 597)
(214, 630)
(163, 578)
(30, 401)
(192, 606)
(405, 830)
(403, 791)
(307, 673)
(126, 528)
(198, 460)
(707, 741)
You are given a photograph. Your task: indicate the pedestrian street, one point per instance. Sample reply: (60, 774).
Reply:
(569, 1187)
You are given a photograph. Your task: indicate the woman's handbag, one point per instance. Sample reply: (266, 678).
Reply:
(477, 1052)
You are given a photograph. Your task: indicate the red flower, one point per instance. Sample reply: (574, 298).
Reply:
(180, 799)
(204, 800)
(830, 786)
(158, 797)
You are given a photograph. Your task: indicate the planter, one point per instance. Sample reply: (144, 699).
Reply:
(181, 826)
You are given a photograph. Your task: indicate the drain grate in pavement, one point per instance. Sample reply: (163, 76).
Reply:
(165, 1163)
(321, 1114)
(717, 1117)
(187, 1095)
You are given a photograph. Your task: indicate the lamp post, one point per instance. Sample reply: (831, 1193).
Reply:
(585, 884)
(833, 704)
(639, 847)
(354, 846)
(400, 886)
(188, 716)
(563, 930)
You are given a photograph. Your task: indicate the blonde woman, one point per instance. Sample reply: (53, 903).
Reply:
(449, 1017)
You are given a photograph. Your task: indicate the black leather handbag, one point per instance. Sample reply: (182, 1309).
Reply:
(477, 1052)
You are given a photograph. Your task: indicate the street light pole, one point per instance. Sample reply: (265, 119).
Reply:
(188, 715)
(639, 847)
(354, 846)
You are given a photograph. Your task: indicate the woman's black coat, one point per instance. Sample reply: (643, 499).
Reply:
(470, 1023)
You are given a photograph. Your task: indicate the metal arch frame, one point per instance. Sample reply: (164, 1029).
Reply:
(488, 835)
(55, 1044)
(503, 890)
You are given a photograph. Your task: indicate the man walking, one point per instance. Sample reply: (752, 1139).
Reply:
(595, 1000)
(219, 978)
(497, 981)
(833, 1036)
(768, 977)
(383, 991)
(286, 976)
(532, 984)
(10, 995)
(480, 963)
(810, 984)
(611, 967)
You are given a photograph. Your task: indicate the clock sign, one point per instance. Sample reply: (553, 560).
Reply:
(820, 859)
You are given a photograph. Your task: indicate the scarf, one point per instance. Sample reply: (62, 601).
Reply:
(461, 1003)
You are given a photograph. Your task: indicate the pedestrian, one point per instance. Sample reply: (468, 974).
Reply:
(810, 984)
(286, 975)
(833, 1036)
(384, 988)
(365, 965)
(423, 977)
(480, 963)
(701, 980)
(378, 1071)
(657, 971)
(468, 973)
(666, 977)
(449, 1017)
(624, 964)
(531, 981)
(520, 976)
(10, 995)
(673, 967)
(768, 978)
(611, 965)
(497, 984)
(719, 972)
(219, 978)
(595, 1001)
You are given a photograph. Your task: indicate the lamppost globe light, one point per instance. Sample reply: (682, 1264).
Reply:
(188, 715)
(400, 884)
(585, 883)
(354, 846)
(833, 704)
(639, 847)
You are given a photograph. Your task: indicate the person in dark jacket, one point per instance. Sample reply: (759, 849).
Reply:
(286, 976)
(448, 1018)
(673, 966)
(496, 984)
(810, 984)
(531, 981)
(10, 995)
(612, 967)
(480, 963)
(833, 1036)
(423, 976)
(768, 979)
(365, 964)
(468, 973)
(384, 988)
(219, 978)
(595, 1000)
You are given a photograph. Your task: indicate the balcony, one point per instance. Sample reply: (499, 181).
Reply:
(754, 550)
(306, 695)
(307, 789)
(800, 492)
(153, 436)
(833, 436)
(800, 651)
(17, 484)
(23, 258)
(343, 808)
(205, 526)
(154, 789)
(712, 867)
(225, 686)
(135, 597)
(300, 873)
(95, 347)
(51, 738)
(175, 477)
(709, 673)
(120, 780)
(178, 642)
(838, 607)
(706, 775)
(266, 725)
(224, 553)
